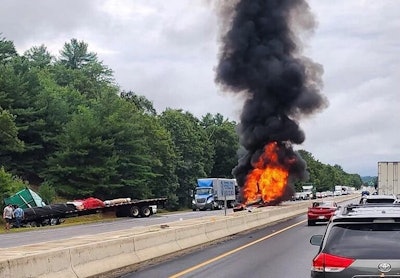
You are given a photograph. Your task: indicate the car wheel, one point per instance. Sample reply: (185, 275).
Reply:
(311, 223)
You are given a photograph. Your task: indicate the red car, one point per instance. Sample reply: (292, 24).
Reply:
(321, 212)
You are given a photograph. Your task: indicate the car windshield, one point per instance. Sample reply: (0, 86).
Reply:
(204, 191)
(365, 241)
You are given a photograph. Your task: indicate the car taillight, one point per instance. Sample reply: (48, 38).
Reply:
(330, 263)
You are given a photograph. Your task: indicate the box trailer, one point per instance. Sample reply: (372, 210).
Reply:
(388, 178)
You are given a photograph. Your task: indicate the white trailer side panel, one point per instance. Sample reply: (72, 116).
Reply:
(225, 187)
(388, 178)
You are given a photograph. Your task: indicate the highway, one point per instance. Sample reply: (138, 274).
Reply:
(59, 232)
(280, 250)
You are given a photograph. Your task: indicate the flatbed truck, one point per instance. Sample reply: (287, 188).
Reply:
(55, 214)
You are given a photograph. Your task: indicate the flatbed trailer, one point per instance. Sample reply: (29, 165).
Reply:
(55, 214)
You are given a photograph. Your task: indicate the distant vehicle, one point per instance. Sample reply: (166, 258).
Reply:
(319, 195)
(337, 193)
(298, 196)
(378, 199)
(388, 178)
(212, 193)
(359, 241)
(321, 211)
(344, 190)
(308, 190)
(364, 192)
(329, 193)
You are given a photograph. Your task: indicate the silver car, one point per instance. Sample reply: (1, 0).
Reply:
(362, 241)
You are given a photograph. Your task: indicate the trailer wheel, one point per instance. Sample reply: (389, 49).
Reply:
(134, 211)
(145, 211)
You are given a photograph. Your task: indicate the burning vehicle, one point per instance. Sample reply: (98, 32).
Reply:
(260, 60)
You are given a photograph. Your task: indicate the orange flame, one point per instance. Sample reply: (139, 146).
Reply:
(268, 179)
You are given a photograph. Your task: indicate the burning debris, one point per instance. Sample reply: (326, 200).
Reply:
(260, 59)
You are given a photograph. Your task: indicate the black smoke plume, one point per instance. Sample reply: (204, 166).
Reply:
(260, 59)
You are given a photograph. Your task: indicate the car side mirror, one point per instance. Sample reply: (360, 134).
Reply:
(316, 240)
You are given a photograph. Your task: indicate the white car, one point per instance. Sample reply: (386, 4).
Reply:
(337, 193)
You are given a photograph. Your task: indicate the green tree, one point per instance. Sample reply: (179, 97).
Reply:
(75, 55)
(20, 88)
(164, 182)
(85, 159)
(104, 152)
(193, 148)
(9, 184)
(80, 69)
(222, 134)
(8, 134)
(39, 56)
(7, 50)
(141, 102)
(325, 176)
(47, 192)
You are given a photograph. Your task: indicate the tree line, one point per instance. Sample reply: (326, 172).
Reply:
(67, 129)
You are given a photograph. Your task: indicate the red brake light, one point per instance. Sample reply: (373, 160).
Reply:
(330, 263)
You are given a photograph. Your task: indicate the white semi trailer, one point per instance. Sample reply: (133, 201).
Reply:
(388, 178)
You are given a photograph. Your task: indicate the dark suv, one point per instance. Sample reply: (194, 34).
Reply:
(360, 241)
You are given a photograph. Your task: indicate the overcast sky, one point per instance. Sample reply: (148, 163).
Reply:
(167, 51)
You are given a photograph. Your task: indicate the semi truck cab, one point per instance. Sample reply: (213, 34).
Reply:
(203, 199)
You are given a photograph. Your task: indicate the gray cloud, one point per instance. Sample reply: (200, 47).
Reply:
(167, 51)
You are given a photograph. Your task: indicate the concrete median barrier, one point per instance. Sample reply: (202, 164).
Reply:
(93, 258)
(218, 230)
(94, 255)
(192, 235)
(161, 243)
(45, 264)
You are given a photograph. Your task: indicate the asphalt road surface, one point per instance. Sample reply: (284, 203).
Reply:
(47, 233)
(281, 250)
